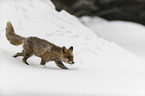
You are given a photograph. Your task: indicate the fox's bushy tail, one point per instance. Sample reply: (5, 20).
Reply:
(12, 36)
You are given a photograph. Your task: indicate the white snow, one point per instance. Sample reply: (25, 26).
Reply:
(127, 34)
(101, 67)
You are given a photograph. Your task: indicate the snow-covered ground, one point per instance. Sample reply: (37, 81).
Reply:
(127, 34)
(101, 67)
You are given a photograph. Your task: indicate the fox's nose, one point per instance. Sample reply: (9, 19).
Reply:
(71, 62)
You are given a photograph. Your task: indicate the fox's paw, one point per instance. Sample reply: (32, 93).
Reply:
(65, 68)
(25, 62)
(15, 56)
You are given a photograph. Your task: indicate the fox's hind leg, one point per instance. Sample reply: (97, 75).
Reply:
(19, 54)
(26, 56)
(28, 51)
(43, 61)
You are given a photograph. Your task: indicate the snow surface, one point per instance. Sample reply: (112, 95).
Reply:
(127, 34)
(101, 67)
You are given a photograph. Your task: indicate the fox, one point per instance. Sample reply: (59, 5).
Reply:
(47, 51)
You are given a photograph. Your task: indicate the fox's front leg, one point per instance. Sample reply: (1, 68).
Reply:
(60, 64)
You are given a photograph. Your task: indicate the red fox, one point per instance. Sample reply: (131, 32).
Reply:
(39, 47)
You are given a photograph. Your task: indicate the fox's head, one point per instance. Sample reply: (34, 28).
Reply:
(67, 55)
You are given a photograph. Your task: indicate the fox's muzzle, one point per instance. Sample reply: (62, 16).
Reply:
(71, 62)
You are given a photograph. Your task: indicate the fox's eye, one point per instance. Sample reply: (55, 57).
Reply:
(69, 56)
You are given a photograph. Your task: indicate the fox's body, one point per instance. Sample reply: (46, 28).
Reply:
(41, 48)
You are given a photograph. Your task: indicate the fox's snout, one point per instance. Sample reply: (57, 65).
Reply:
(71, 62)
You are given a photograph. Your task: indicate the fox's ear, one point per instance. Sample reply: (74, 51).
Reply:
(71, 48)
(63, 49)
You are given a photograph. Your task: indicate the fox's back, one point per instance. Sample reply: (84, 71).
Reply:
(37, 45)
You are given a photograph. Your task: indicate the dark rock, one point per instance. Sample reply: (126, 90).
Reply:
(127, 10)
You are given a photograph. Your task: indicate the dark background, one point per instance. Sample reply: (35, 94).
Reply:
(126, 10)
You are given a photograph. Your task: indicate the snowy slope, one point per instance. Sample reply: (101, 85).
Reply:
(127, 34)
(101, 67)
